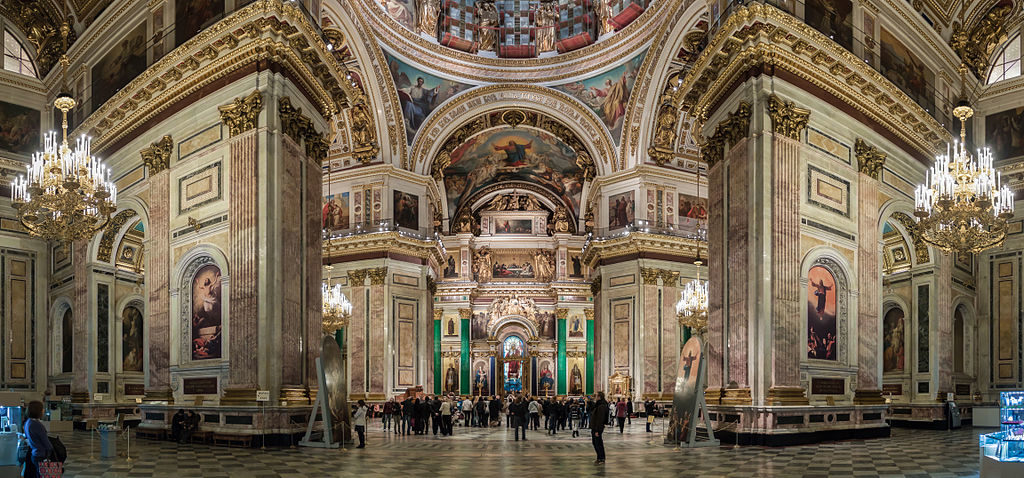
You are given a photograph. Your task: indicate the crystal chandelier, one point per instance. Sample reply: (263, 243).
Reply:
(962, 205)
(336, 309)
(67, 194)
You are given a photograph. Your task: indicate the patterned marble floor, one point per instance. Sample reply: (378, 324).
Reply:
(493, 452)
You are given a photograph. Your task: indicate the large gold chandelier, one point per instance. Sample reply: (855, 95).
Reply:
(963, 206)
(692, 308)
(336, 309)
(67, 195)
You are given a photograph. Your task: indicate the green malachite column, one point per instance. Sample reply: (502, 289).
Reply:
(464, 357)
(562, 314)
(590, 351)
(437, 354)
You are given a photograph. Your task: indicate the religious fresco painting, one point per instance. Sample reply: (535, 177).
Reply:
(607, 94)
(906, 71)
(546, 325)
(335, 212)
(403, 11)
(206, 313)
(692, 210)
(893, 358)
(123, 63)
(834, 18)
(19, 128)
(822, 340)
(513, 226)
(67, 342)
(480, 379)
(576, 327)
(546, 378)
(576, 377)
(102, 328)
(575, 265)
(478, 326)
(193, 16)
(513, 154)
(621, 210)
(419, 93)
(407, 210)
(513, 266)
(131, 339)
(1004, 133)
(451, 267)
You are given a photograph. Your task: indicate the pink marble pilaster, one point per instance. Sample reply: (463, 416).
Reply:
(290, 194)
(870, 284)
(314, 267)
(942, 344)
(670, 336)
(378, 325)
(785, 262)
(716, 277)
(158, 280)
(244, 257)
(355, 333)
(80, 317)
(738, 265)
(650, 327)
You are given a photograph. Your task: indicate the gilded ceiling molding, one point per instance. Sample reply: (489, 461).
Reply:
(976, 45)
(455, 63)
(158, 155)
(869, 159)
(468, 113)
(920, 247)
(265, 30)
(788, 119)
(759, 34)
(106, 246)
(242, 114)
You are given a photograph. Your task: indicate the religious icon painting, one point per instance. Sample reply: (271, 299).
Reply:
(407, 210)
(335, 214)
(131, 339)
(822, 339)
(893, 339)
(621, 209)
(206, 313)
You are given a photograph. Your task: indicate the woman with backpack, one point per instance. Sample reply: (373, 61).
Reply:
(36, 446)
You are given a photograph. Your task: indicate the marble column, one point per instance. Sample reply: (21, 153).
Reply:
(356, 333)
(788, 121)
(377, 328)
(314, 267)
(942, 343)
(561, 315)
(716, 283)
(869, 387)
(670, 332)
(651, 331)
(81, 385)
(589, 313)
(245, 252)
(292, 264)
(738, 228)
(158, 388)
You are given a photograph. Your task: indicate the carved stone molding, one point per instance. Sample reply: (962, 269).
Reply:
(242, 114)
(356, 278)
(728, 132)
(595, 285)
(158, 155)
(106, 246)
(787, 119)
(650, 275)
(869, 159)
(378, 275)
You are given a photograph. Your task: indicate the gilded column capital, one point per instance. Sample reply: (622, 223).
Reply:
(431, 285)
(669, 278)
(158, 155)
(869, 159)
(242, 114)
(357, 277)
(562, 314)
(650, 275)
(378, 275)
(595, 285)
(729, 131)
(438, 314)
(787, 119)
(588, 313)
(465, 313)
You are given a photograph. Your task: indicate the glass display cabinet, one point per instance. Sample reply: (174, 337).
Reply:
(10, 427)
(1002, 453)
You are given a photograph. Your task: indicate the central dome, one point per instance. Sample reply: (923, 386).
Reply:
(514, 28)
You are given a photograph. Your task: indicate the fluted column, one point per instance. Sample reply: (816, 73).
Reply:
(737, 265)
(81, 387)
(869, 388)
(378, 325)
(158, 388)
(356, 335)
(788, 121)
(650, 330)
(292, 264)
(716, 283)
(670, 332)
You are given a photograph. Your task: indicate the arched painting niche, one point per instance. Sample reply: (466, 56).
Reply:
(822, 330)
(893, 339)
(131, 338)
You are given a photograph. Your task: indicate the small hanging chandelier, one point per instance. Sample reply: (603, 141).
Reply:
(963, 206)
(336, 308)
(692, 308)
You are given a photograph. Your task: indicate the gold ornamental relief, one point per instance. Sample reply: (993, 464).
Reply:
(158, 155)
(378, 275)
(242, 114)
(787, 119)
(869, 159)
(357, 278)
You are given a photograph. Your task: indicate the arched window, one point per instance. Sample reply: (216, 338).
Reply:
(513, 347)
(16, 58)
(1007, 64)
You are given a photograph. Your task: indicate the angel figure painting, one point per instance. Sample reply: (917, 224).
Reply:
(607, 94)
(821, 314)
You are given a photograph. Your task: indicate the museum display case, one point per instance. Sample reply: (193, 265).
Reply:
(1003, 452)
(10, 427)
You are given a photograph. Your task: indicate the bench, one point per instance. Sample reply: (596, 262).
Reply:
(153, 433)
(202, 436)
(229, 440)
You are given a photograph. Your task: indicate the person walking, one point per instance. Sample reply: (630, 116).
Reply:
(629, 410)
(505, 408)
(396, 416)
(620, 413)
(385, 417)
(556, 414)
(574, 418)
(523, 415)
(481, 412)
(359, 420)
(597, 420)
(534, 409)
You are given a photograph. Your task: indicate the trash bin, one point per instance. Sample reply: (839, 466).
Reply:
(108, 443)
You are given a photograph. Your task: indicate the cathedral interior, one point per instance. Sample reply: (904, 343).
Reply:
(513, 197)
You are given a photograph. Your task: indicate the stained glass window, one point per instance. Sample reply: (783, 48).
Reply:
(513, 347)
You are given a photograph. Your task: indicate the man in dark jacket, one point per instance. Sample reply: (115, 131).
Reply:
(481, 412)
(435, 411)
(518, 411)
(598, 419)
(495, 408)
(629, 411)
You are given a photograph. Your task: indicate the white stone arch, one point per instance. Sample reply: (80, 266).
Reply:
(139, 302)
(904, 206)
(840, 269)
(60, 305)
(181, 302)
(498, 325)
(652, 85)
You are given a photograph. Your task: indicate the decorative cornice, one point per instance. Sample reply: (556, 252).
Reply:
(378, 275)
(242, 114)
(787, 119)
(869, 159)
(158, 156)
(638, 243)
(357, 277)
